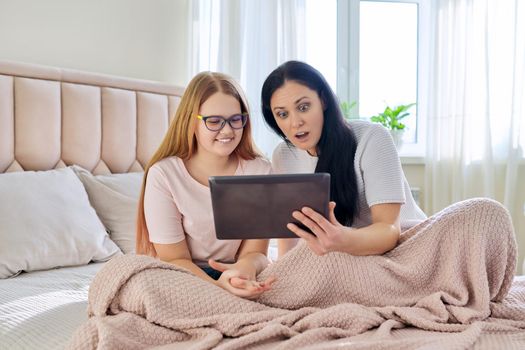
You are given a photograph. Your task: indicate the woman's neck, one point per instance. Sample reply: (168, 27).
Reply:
(312, 152)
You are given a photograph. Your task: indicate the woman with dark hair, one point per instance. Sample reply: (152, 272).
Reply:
(452, 269)
(374, 202)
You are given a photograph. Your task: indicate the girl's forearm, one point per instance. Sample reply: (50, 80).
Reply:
(196, 270)
(252, 263)
(285, 245)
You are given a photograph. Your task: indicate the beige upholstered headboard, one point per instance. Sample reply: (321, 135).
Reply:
(52, 117)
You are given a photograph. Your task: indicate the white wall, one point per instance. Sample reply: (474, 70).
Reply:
(135, 38)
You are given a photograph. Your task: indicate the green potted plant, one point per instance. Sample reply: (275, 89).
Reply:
(346, 108)
(391, 118)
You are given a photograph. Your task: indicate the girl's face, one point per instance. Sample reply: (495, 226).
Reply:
(298, 111)
(224, 141)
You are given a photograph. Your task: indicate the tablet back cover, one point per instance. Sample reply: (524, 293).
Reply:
(260, 206)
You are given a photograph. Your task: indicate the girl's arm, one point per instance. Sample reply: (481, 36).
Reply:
(284, 245)
(329, 235)
(251, 259)
(235, 278)
(179, 254)
(252, 256)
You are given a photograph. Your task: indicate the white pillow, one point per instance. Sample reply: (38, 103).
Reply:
(46, 221)
(115, 199)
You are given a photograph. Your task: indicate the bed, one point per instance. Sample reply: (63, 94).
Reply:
(50, 120)
(72, 150)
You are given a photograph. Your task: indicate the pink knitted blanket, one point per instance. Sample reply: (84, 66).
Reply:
(447, 285)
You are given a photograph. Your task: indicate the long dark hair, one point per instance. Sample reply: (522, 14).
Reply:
(337, 145)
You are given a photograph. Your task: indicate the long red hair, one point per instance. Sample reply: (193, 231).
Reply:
(180, 140)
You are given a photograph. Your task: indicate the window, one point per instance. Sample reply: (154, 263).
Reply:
(383, 60)
(388, 59)
(382, 56)
(321, 38)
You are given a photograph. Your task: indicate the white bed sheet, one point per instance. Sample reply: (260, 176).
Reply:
(42, 309)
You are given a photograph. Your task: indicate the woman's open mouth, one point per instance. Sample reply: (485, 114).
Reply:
(302, 136)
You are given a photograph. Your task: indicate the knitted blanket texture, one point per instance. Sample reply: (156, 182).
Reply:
(449, 284)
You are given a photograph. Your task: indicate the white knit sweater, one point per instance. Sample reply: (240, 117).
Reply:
(380, 178)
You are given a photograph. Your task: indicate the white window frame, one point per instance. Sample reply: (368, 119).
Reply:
(348, 64)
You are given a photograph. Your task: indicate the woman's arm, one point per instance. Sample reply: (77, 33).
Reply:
(379, 237)
(329, 235)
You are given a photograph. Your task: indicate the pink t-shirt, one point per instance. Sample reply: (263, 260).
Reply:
(178, 207)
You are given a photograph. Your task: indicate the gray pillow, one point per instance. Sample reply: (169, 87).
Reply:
(115, 199)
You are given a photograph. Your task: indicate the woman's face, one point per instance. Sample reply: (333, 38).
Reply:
(298, 111)
(224, 141)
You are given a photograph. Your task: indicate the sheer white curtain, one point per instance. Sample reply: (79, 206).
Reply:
(476, 130)
(247, 40)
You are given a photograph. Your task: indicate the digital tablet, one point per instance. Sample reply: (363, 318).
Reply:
(260, 206)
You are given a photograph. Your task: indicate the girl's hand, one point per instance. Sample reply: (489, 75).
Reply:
(240, 283)
(328, 235)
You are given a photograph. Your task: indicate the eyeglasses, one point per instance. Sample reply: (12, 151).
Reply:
(217, 122)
